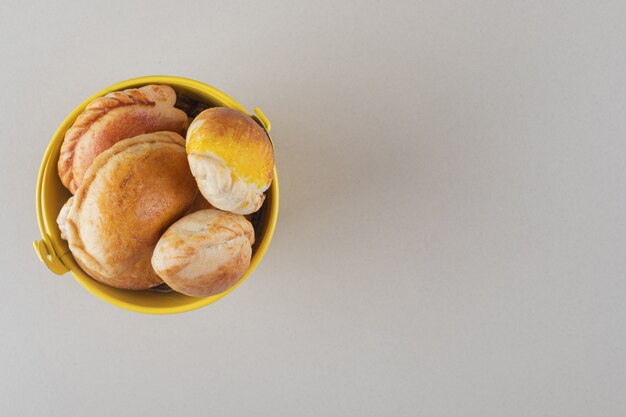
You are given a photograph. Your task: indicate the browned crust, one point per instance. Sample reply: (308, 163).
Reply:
(118, 148)
(219, 232)
(227, 275)
(143, 280)
(93, 112)
(193, 244)
(146, 96)
(147, 277)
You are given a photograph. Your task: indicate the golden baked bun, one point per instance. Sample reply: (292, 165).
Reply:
(131, 193)
(232, 159)
(109, 119)
(204, 253)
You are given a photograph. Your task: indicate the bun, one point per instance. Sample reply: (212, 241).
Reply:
(204, 253)
(232, 159)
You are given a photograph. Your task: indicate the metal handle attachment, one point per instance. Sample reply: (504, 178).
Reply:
(49, 257)
(262, 119)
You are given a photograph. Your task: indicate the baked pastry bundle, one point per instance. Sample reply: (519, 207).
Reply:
(109, 119)
(149, 207)
(129, 195)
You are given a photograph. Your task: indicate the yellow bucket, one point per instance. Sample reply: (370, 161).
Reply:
(51, 195)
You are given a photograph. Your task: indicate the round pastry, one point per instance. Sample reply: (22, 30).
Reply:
(109, 119)
(232, 159)
(131, 193)
(204, 253)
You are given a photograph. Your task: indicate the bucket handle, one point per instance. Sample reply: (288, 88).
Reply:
(262, 119)
(49, 257)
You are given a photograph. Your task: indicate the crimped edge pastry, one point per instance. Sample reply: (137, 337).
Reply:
(147, 95)
(135, 276)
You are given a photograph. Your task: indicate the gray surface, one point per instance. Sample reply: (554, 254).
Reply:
(452, 233)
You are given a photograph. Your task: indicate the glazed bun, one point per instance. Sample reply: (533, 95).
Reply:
(131, 193)
(109, 119)
(232, 159)
(204, 253)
